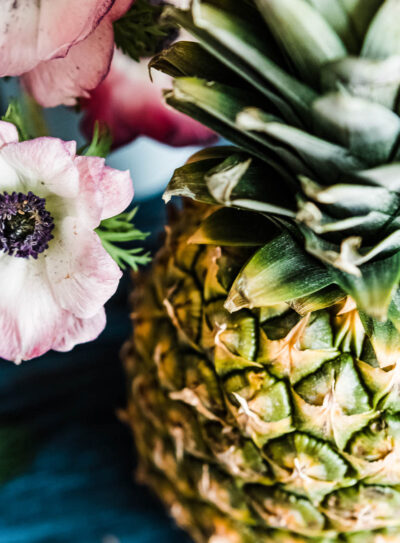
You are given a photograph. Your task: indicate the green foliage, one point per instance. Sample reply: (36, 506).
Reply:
(15, 116)
(118, 230)
(101, 141)
(141, 30)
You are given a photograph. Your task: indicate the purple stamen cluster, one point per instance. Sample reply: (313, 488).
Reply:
(25, 224)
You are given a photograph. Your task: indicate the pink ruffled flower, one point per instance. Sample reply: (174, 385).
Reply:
(55, 274)
(61, 48)
(132, 105)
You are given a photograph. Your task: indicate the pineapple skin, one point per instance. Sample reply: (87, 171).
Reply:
(262, 426)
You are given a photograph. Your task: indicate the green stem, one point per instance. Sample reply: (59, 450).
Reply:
(36, 122)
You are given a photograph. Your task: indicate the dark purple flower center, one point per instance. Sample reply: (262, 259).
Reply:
(25, 224)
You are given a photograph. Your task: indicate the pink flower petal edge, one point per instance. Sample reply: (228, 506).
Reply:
(32, 32)
(119, 9)
(61, 80)
(80, 331)
(56, 300)
(61, 48)
(8, 133)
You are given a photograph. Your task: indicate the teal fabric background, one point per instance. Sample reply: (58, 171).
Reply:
(76, 485)
(75, 461)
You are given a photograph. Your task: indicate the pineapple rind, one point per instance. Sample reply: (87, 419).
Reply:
(264, 374)
(284, 443)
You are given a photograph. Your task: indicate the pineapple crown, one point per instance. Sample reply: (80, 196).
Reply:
(307, 91)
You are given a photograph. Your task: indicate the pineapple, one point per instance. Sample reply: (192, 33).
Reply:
(263, 370)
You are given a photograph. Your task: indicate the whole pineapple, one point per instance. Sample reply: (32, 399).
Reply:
(264, 374)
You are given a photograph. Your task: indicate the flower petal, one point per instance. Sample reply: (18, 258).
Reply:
(132, 105)
(76, 330)
(104, 192)
(61, 80)
(71, 147)
(89, 205)
(31, 321)
(119, 9)
(8, 133)
(31, 32)
(83, 276)
(66, 22)
(117, 189)
(29, 315)
(18, 35)
(42, 165)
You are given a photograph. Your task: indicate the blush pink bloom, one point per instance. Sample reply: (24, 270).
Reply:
(132, 105)
(61, 48)
(55, 273)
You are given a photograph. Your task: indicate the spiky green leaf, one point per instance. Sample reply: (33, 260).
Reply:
(304, 35)
(279, 272)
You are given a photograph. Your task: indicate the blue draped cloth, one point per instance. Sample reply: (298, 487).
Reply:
(75, 482)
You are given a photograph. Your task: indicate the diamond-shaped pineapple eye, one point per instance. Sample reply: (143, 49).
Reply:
(375, 452)
(362, 507)
(260, 405)
(285, 511)
(295, 355)
(332, 403)
(306, 466)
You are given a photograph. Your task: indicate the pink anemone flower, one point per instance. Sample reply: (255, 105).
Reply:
(61, 48)
(132, 105)
(55, 273)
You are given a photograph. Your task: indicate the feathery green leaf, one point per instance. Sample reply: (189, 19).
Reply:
(119, 230)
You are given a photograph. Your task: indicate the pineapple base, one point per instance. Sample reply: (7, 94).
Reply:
(274, 425)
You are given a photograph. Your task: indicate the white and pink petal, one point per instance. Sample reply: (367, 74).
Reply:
(43, 166)
(89, 205)
(31, 320)
(117, 189)
(8, 133)
(104, 192)
(29, 314)
(81, 273)
(76, 330)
